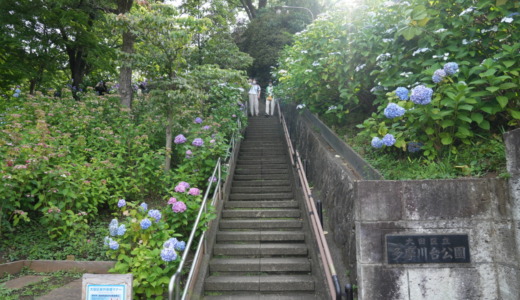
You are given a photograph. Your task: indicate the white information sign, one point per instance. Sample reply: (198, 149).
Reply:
(107, 287)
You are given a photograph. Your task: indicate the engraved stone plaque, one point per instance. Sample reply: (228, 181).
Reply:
(427, 249)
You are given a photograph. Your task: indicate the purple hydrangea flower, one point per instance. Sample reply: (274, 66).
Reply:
(182, 186)
(113, 226)
(393, 111)
(121, 229)
(198, 120)
(121, 203)
(113, 245)
(207, 127)
(145, 223)
(212, 142)
(144, 206)
(234, 116)
(180, 139)
(198, 142)
(402, 93)
(194, 192)
(388, 140)
(212, 179)
(421, 95)
(180, 246)
(188, 153)
(414, 147)
(179, 207)
(154, 213)
(170, 243)
(438, 75)
(377, 142)
(172, 200)
(451, 68)
(168, 254)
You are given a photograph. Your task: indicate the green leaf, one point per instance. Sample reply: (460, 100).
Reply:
(464, 131)
(492, 89)
(447, 140)
(502, 100)
(429, 131)
(508, 63)
(485, 125)
(466, 107)
(488, 73)
(477, 117)
(508, 85)
(447, 123)
(515, 114)
(464, 118)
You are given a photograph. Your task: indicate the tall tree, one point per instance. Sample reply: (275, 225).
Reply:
(127, 49)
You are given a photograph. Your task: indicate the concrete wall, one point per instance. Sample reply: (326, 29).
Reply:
(362, 212)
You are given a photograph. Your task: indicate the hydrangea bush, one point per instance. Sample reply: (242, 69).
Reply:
(458, 63)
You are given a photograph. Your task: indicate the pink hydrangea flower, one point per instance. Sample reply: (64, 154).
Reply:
(172, 200)
(179, 207)
(194, 192)
(181, 187)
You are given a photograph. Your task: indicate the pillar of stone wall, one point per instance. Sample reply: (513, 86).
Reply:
(512, 142)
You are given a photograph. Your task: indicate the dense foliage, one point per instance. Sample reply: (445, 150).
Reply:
(423, 76)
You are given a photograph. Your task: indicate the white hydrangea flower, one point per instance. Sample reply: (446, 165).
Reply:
(420, 50)
(467, 10)
(440, 30)
(506, 20)
(360, 67)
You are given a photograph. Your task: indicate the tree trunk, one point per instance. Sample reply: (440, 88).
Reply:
(77, 64)
(250, 8)
(169, 139)
(125, 75)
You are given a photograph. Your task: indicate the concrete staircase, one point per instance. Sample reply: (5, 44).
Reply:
(260, 250)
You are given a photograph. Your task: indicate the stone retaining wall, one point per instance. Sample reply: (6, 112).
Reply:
(361, 213)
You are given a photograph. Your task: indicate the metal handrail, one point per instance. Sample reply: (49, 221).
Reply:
(326, 258)
(174, 286)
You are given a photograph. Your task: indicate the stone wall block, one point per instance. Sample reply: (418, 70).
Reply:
(512, 143)
(447, 199)
(443, 283)
(378, 200)
(379, 282)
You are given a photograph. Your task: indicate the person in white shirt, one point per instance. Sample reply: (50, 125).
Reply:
(269, 100)
(254, 95)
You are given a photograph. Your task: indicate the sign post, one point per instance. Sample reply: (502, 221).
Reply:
(107, 287)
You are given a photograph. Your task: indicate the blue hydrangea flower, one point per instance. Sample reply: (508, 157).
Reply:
(198, 142)
(121, 229)
(402, 93)
(414, 147)
(388, 140)
(154, 213)
(144, 206)
(421, 95)
(168, 254)
(198, 120)
(451, 68)
(180, 246)
(121, 203)
(107, 240)
(113, 226)
(438, 75)
(393, 111)
(377, 142)
(145, 223)
(180, 139)
(113, 245)
(170, 243)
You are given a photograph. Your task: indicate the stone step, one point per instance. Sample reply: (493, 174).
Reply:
(262, 161)
(263, 157)
(270, 283)
(261, 183)
(261, 204)
(261, 249)
(260, 213)
(260, 224)
(264, 296)
(263, 196)
(282, 165)
(260, 264)
(260, 189)
(263, 236)
(264, 151)
(262, 171)
(239, 177)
